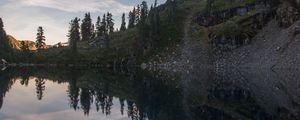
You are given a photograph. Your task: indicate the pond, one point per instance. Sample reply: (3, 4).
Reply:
(133, 94)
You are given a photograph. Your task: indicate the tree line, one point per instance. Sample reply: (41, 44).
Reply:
(146, 20)
(153, 26)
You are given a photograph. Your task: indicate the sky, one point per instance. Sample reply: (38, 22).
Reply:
(22, 17)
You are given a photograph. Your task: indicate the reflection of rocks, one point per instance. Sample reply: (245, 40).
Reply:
(246, 94)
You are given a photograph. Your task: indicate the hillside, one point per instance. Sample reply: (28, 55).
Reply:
(247, 34)
(17, 44)
(276, 45)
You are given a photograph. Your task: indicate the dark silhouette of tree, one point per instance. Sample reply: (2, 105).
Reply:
(40, 38)
(4, 45)
(133, 112)
(6, 83)
(86, 99)
(87, 27)
(103, 25)
(98, 98)
(122, 106)
(144, 12)
(123, 25)
(73, 92)
(93, 31)
(143, 30)
(137, 14)
(74, 34)
(98, 27)
(108, 104)
(25, 79)
(131, 19)
(40, 87)
(109, 23)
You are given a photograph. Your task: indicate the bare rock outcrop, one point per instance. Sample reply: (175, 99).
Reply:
(18, 45)
(287, 13)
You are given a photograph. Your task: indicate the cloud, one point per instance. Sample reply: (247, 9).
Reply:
(79, 5)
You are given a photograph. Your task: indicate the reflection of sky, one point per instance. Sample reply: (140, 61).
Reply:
(22, 17)
(21, 103)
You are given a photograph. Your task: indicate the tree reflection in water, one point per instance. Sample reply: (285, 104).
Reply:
(142, 95)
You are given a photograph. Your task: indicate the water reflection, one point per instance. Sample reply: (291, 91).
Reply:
(139, 95)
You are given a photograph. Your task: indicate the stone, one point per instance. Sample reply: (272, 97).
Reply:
(278, 48)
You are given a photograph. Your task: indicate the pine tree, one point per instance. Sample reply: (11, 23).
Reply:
(123, 25)
(144, 12)
(86, 27)
(1, 23)
(93, 32)
(74, 34)
(40, 87)
(98, 27)
(4, 45)
(103, 25)
(40, 38)
(137, 15)
(131, 18)
(109, 23)
(143, 27)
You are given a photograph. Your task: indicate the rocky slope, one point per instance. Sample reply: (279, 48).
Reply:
(275, 46)
(272, 33)
(18, 45)
(271, 47)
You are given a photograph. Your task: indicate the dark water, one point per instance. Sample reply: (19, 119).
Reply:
(74, 94)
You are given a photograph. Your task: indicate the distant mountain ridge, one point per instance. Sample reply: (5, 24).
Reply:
(17, 44)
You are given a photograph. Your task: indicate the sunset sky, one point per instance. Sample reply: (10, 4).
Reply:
(22, 17)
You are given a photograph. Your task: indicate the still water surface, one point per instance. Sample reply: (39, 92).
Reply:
(73, 94)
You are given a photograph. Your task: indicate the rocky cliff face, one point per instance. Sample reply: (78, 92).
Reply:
(18, 45)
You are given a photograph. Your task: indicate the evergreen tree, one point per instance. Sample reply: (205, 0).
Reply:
(109, 23)
(98, 27)
(93, 32)
(74, 34)
(73, 91)
(40, 87)
(103, 26)
(144, 41)
(40, 38)
(1, 23)
(144, 12)
(131, 18)
(4, 45)
(137, 15)
(86, 27)
(123, 25)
